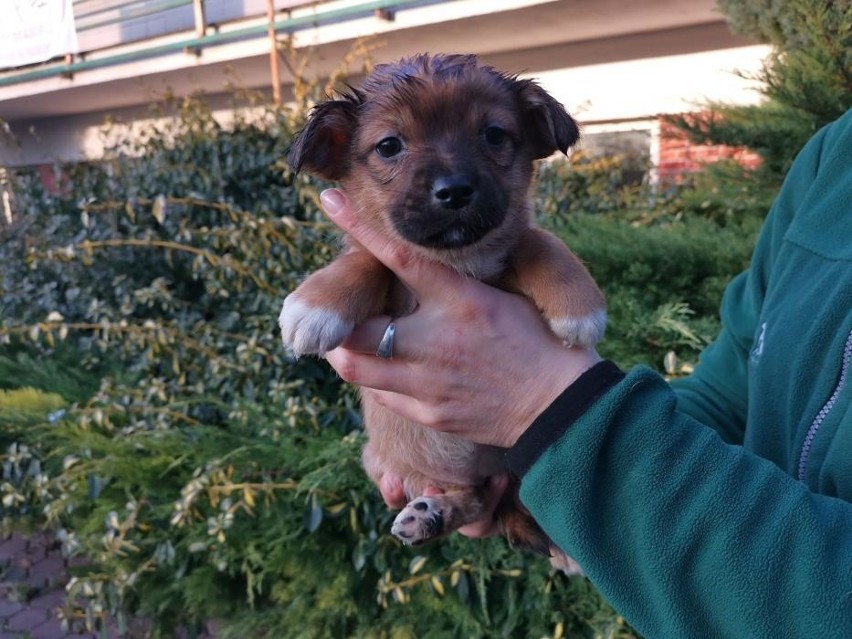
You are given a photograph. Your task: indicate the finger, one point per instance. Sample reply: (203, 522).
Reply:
(391, 488)
(423, 277)
(389, 383)
(404, 405)
(366, 370)
(374, 373)
(366, 337)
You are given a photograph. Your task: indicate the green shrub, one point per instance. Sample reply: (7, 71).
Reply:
(23, 408)
(208, 474)
(60, 373)
(587, 185)
(662, 258)
(663, 283)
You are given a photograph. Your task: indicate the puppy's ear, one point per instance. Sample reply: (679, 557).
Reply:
(550, 127)
(322, 147)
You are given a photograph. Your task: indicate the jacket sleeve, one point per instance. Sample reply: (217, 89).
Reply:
(685, 535)
(716, 393)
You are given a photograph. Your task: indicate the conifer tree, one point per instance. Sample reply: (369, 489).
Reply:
(806, 80)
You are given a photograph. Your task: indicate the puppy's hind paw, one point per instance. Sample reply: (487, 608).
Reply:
(580, 331)
(420, 521)
(307, 330)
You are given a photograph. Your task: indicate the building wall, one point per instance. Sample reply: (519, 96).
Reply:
(613, 64)
(678, 156)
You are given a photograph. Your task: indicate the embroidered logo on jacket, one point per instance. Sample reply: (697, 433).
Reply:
(757, 349)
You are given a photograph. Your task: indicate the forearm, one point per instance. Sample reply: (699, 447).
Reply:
(716, 393)
(684, 534)
(710, 395)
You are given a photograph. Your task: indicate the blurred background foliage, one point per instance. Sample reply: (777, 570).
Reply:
(805, 82)
(152, 422)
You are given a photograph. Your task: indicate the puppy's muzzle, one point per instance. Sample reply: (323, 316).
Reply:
(457, 208)
(453, 191)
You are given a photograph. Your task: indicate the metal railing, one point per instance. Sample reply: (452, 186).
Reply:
(104, 23)
(89, 14)
(203, 15)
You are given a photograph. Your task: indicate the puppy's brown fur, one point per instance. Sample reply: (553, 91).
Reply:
(437, 152)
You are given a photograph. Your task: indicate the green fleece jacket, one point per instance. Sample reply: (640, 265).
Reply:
(721, 505)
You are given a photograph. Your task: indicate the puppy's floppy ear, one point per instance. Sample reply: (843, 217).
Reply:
(549, 126)
(322, 147)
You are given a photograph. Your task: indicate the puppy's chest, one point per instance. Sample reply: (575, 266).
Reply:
(493, 271)
(407, 448)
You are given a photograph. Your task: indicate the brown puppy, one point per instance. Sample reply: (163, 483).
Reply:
(436, 152)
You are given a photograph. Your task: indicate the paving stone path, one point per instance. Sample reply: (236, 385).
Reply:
(33, 574)
(32, 577)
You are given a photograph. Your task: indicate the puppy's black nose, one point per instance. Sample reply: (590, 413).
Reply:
(453, 191)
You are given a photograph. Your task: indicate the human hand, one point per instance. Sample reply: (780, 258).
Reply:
(471, 360)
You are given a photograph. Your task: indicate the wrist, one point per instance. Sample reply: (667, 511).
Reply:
(560, 414)
(557, 372)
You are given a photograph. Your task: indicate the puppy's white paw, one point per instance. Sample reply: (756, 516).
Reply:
(420, 521)
(580, 331)
(308, 330)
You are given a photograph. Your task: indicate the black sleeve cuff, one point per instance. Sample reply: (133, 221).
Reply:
(549, 426)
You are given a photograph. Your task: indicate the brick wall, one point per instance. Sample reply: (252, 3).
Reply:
(678, 156)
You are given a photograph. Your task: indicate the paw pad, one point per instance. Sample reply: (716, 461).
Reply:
(420, 521)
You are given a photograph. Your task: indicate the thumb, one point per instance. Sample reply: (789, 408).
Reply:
(422, 276)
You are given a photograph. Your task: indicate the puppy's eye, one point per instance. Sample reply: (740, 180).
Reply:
(389, 147)
(494, 135)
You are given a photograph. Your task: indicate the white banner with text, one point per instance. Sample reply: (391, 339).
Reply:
(35, 30)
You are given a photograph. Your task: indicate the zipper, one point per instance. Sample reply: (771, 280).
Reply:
(826, 409)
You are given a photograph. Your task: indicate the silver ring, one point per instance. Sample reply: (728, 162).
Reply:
(385, 349)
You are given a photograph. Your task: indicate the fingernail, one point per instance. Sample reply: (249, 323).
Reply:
(332, 201)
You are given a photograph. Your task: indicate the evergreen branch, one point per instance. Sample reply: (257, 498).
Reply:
(34, 330)
(212, 258)
(236, 215)
(121, 327)
(386, 585)
(94, 413)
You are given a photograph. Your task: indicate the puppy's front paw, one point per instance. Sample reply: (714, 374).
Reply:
(420, 521)
(580, 331)
(308, 330)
